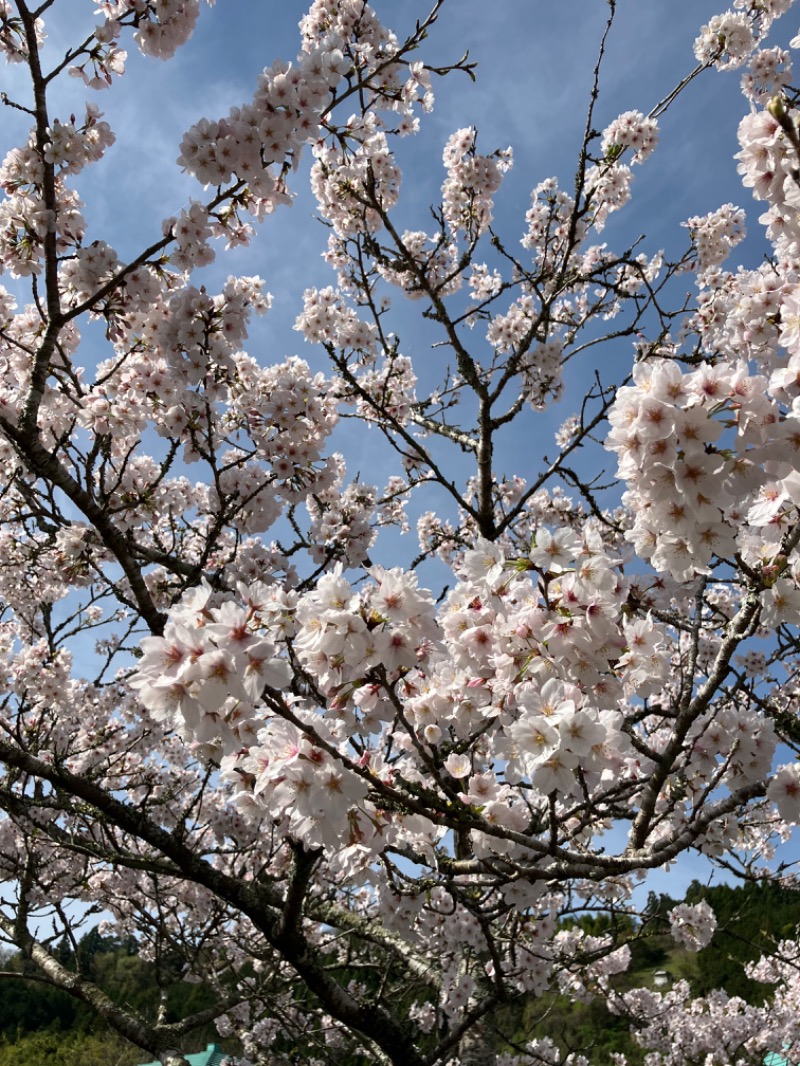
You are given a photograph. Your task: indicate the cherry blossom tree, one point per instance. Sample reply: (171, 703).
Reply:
(355, 812)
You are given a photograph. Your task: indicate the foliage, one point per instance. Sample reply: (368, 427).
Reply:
(68, 1049)
(751, 920)
(28, 1005)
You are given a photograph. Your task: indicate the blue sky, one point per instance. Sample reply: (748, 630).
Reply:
(535, 59)
(534, 64)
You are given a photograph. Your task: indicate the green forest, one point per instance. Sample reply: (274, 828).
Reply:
(42, 1026)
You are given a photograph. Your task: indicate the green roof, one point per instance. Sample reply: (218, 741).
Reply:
(212, 1056)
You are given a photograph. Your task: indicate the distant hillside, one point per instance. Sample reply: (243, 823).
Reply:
(40, 1026)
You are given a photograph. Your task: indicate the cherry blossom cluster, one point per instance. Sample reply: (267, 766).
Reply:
(439, 925)
(547, 222)
(206, 673)
(72, 147)
(89, 268)
(769, 73)
(369, 772)
(254, 142)
(677, 1029)
(181, 343)
(345, 180)
(688, 496)
(351, 21)
(767, 164)
(341, 518)
(192, 232)
(162, 26)
(454, 678)
(104, 59)
(715, 235)
(483, 282)
(727, 40)
(326, 318)
(742, 312)
(692, 925)
(472, 180)
(609, 187)
(257, 142)
(631, 130)
(13, 42)
(428, 264)
(354, 26)
(15, 373)
(24, 217)
(539, 364)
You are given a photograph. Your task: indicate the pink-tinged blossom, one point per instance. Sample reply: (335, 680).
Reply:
(484, 561)
(780, 604)
(725, 41)
(784, 792)
(555, 550)
(631, 130)
(715, 235)
(458, 765)
(692, 925)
